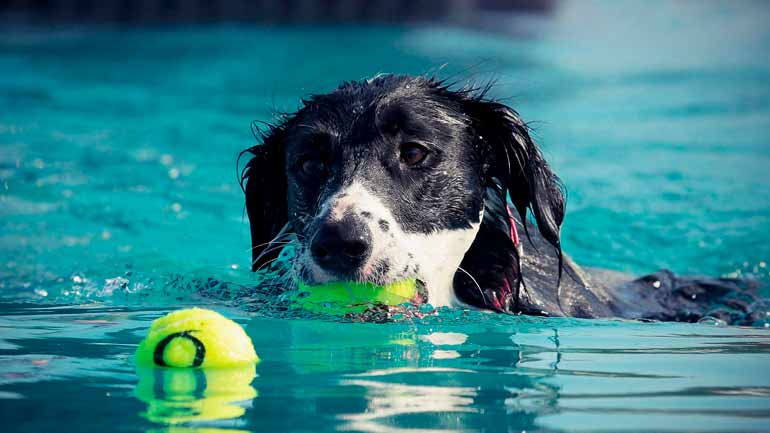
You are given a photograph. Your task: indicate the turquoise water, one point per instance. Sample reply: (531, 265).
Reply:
(119, 201)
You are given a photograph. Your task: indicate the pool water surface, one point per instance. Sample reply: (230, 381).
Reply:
(119, 202)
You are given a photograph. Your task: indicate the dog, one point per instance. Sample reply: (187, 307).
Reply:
(400, 177)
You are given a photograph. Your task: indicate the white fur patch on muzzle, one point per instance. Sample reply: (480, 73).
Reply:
(431, 257)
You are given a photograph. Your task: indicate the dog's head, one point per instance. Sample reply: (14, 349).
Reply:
(401, 177)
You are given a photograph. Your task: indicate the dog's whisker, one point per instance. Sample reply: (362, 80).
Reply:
(280, 234)
(265, 264)
(278, 241)
(274, 245)
(255, 261)
(272, 248)
(483, 297)
(269, 250)
(280, 238)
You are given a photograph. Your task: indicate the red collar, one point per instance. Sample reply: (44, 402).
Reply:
(514, 233)
(499, 297)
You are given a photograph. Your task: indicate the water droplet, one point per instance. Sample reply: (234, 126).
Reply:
(176, 207)
(173, 173)
(426, 308)
(713, 321)
(166, 159)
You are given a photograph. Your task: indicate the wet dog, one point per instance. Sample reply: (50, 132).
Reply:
(405, 177)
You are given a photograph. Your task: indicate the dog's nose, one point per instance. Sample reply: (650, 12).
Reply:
(342, 246)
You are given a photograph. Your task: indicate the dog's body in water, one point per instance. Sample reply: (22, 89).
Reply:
(402, 177)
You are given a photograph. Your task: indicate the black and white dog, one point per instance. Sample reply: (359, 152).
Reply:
(402, 177)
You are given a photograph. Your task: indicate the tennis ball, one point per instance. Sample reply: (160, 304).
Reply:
(353, 297)
(195, 337)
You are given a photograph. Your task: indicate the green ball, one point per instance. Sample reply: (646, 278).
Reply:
(195, 337)
(345, 297)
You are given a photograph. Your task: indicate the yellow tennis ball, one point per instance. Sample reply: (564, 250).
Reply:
(195, 337)
(343, 297)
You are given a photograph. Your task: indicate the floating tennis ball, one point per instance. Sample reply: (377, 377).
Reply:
(352, 297)
(195, 337)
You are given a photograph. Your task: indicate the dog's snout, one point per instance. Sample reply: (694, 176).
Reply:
(342, 246)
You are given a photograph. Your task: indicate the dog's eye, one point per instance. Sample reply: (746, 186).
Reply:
(312, 167)
(413, 154)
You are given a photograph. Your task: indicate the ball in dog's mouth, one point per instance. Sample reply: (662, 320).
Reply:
(345, 297)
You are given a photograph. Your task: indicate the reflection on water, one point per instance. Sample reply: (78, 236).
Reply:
(177, 429)
(184, 395)
(387, 400)
(415, 379)
(71, 369)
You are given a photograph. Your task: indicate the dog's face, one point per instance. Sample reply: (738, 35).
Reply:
(382, 186)
(378, 181)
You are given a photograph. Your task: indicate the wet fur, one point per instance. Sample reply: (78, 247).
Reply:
(499, 155)
(493, 160)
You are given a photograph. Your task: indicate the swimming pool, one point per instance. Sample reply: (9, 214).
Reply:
(119, 202)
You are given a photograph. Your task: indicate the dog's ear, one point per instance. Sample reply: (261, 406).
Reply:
(264, 182)
(514, 160)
